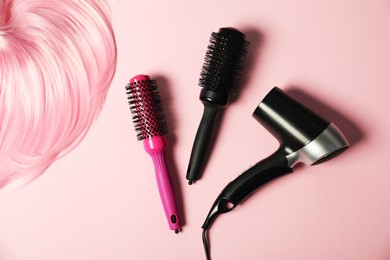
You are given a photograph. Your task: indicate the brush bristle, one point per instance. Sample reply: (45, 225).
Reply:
(145, 105)
(224, 61)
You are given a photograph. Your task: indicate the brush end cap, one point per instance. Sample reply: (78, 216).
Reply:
(231, 30)
(139, 78)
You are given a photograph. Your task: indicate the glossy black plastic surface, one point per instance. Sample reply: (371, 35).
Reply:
(289, 121)
(202, 143)
(248, 182)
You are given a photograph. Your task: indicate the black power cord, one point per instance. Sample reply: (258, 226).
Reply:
(206, 244)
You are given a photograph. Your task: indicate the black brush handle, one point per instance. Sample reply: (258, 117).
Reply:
(201, 146)
(213, 102)
(248, 182)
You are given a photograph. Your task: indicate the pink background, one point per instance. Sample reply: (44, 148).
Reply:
(101, 202)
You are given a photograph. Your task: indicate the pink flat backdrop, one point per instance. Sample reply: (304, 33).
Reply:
(101, 201)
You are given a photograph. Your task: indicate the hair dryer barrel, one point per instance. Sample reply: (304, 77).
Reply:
(288, 120)
(304, 135)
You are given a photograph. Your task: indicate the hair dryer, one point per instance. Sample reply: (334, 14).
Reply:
(304, 137)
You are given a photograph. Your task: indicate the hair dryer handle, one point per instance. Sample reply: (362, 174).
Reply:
(248, 182)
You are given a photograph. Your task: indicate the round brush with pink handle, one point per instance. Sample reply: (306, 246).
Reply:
(150, 125)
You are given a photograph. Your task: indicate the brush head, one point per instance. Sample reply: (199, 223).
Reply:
(224, 61)
(145, 105)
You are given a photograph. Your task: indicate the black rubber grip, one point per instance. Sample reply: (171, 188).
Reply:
(248, 182)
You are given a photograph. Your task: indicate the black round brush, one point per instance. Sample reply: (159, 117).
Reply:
(219, 80)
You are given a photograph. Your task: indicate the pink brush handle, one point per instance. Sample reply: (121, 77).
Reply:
(155, 147)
